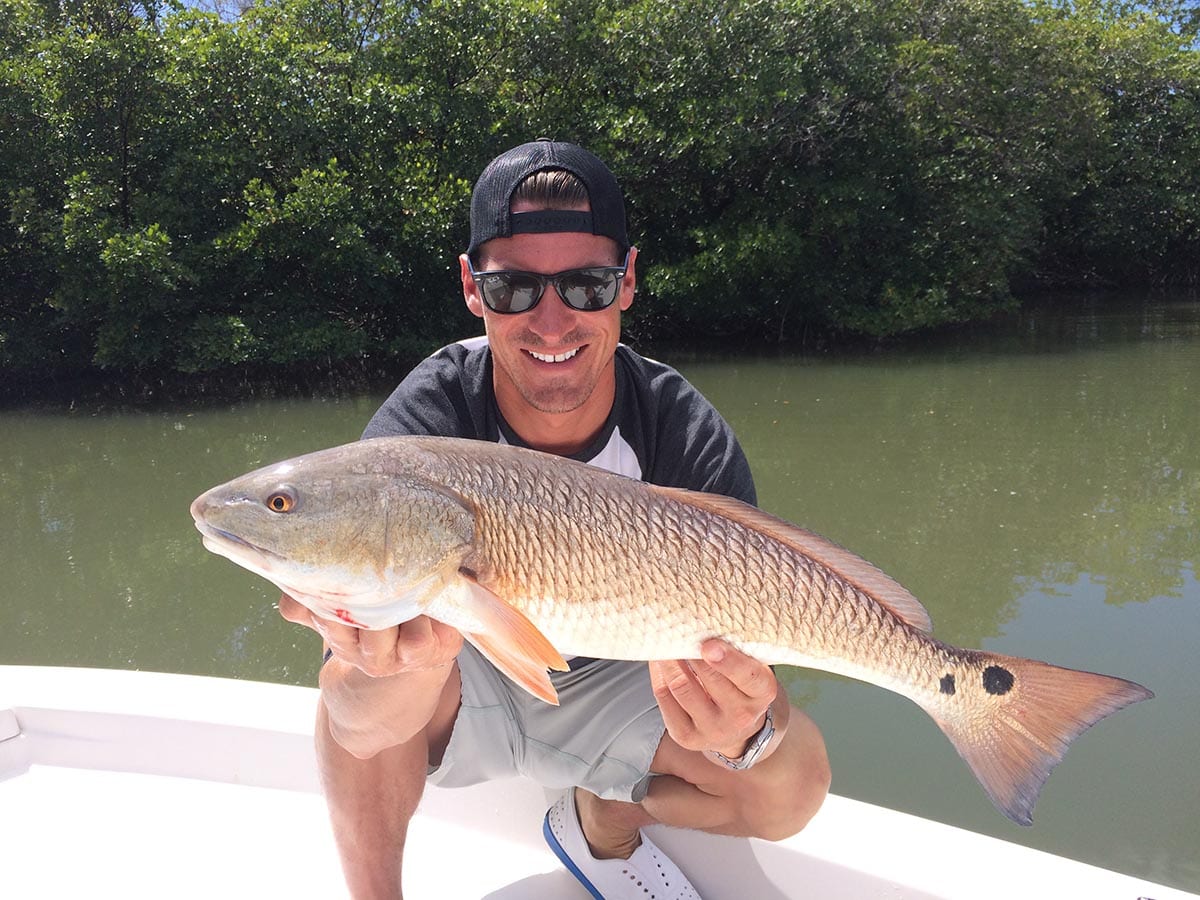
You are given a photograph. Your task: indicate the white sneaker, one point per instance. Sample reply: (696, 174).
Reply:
(647, 875)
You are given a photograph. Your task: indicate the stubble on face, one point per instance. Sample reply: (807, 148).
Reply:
(554, 405)
(550, 392)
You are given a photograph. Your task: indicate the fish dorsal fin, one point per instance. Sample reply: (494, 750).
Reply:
(853, 568)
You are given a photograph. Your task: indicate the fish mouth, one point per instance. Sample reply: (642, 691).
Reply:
(326, 601)
(212, 531)
(238, 549)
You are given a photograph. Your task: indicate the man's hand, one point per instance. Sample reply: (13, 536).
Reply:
(715, 703)
(417, 645)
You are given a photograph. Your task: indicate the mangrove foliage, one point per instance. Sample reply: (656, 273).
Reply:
(186, 192)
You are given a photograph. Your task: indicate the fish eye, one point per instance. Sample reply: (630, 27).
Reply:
(281, 501)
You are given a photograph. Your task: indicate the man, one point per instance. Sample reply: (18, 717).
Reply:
(710, 743)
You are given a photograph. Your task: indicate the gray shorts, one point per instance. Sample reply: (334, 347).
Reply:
(601, 737)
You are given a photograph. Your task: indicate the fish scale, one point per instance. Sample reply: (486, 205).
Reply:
(834, 621)
(742, 578)
(532, 556)
(615, 593)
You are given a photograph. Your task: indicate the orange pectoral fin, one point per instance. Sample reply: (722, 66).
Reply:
(512, 643)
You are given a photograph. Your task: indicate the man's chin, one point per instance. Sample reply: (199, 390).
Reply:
(556, 403)
(557, 399)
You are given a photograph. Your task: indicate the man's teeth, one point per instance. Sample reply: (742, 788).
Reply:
(554, 357)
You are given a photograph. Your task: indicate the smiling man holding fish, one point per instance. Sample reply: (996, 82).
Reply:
(707, 743)
(448, 573)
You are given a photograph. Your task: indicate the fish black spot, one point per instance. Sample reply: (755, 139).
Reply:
(948, 683)
(997, 680)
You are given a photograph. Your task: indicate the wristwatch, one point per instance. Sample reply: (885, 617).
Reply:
(757, 745)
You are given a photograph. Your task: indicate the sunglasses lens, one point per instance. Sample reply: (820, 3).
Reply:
(581, 289)
(589, 289)
(510, 292)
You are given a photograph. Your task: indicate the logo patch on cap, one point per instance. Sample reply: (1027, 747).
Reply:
(542, 221)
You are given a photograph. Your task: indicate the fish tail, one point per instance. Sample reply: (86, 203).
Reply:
(1013, 719)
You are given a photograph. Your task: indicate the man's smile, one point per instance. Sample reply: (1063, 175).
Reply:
(554, 357)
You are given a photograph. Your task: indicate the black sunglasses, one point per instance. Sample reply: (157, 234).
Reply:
(586, 290)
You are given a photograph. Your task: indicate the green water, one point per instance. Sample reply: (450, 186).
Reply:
(1038, 488)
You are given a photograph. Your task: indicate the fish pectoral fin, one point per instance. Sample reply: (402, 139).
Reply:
(511, 642)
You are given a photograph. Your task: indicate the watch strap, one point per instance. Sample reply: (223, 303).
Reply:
(754, 749)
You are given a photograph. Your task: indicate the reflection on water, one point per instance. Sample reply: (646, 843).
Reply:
(1037, 487)
(977, 474)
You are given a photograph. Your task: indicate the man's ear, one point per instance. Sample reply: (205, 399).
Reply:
(629, 282)
(470, 289)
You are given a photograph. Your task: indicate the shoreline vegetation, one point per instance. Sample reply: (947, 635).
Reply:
(196, 204)
(94, 392)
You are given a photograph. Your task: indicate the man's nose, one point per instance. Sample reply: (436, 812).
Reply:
(551, 316)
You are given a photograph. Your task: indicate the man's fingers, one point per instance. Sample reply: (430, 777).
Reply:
(680, 680)
(713, 702)
(415, 635)
(724, 665)
(342, 639)
(333, 632)
(446, 634)
(688, 711)
(427, 642)
(675, 717)
(294, 611)
(421, 643)
(378, 647)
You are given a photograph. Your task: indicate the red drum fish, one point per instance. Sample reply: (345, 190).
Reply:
(532, 556)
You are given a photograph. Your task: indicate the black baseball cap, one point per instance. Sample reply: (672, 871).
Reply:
(492, 218)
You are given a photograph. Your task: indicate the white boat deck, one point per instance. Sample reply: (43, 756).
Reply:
(164, 786)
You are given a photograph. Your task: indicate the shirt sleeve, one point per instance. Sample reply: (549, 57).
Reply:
(440, 396)
(710, 459)
(684, 441)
